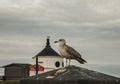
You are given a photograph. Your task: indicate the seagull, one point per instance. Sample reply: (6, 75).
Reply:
(69, 52)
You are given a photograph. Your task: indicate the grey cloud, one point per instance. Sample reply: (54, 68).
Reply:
(68, 11)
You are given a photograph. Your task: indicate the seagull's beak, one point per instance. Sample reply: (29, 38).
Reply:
(55, 41)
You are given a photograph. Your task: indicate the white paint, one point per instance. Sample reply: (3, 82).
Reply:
(48, 62)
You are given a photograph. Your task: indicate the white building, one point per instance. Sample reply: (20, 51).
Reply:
(49, 58)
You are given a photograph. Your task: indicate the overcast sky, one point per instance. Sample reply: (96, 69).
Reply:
(90, 26)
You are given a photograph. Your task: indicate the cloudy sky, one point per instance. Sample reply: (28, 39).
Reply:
(90, 26)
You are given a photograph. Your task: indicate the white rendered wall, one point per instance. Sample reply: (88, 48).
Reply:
(48, 62)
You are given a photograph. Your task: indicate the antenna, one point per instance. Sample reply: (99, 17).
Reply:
(48, 41)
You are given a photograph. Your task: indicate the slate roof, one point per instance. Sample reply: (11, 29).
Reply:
(17, 64)
(47, 51)
(74, 73)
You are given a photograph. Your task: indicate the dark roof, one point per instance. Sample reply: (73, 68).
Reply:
(48, 51)
(74, 73)
(17, 64)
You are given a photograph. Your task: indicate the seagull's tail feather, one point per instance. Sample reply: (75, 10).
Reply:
(80, 60)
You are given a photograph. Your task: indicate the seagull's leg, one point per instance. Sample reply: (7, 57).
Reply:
(66, 62)
(69, 61)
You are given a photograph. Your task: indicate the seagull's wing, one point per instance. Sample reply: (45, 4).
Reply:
(72, 51)
(75, 54)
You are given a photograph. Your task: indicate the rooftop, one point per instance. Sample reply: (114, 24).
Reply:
(74, 73)
(17, 64)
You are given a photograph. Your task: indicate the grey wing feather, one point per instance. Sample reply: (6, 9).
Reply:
(72, 51)
(75, 54)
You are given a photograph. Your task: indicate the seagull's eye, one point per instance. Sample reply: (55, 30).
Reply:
(60, 40)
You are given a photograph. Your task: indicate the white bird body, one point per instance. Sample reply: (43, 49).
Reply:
(68, 52)
(63, 52)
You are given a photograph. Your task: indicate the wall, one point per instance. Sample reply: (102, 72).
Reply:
(14, 72)
(49, 62)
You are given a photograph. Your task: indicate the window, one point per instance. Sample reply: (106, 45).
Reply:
(57, 64)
